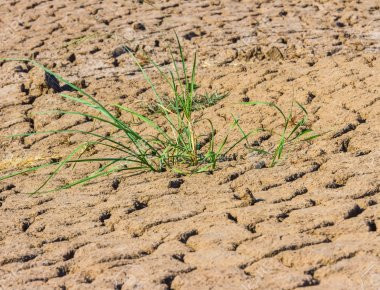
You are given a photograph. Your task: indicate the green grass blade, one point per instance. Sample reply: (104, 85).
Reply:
(32, 169)
(60, 165)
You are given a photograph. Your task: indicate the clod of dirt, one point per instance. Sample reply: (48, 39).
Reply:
(138, 205)
(168, 281)
(360, 119)
(344, 145)
(104, 216)
(251, 228)
(260, 165)
(334, 185)
(115, 63)
(353, 212)
(115, 183)
(310, 97)
(372, 202)
(371, 226)
(62, 271)
(138, 26)
(190, 35)
(176, 183)
(25, 224)
(71, 57)
(118, 51)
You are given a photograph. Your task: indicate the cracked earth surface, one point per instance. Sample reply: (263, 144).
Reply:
(312, 221)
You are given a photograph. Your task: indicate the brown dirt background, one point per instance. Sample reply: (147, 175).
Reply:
(312, 221)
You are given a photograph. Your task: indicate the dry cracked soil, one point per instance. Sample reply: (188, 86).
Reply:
(311, 221)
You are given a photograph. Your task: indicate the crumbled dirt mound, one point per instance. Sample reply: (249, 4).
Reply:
(310, 221)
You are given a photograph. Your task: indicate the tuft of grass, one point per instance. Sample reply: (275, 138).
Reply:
(208, 100)
(294, 129)
(174, 145)
(200, 102)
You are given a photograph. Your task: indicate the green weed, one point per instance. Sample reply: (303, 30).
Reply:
(200, 102)
(294, 129)
(174, 146)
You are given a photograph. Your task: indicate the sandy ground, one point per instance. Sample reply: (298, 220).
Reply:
(312, 221)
